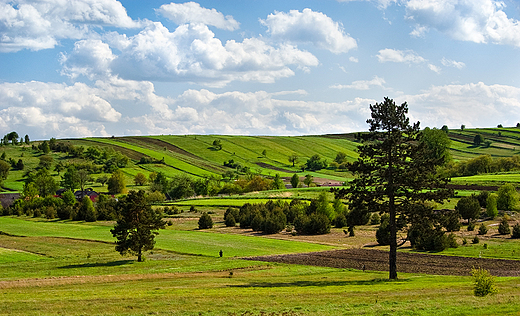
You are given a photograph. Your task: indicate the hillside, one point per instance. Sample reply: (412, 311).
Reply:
(196, 156)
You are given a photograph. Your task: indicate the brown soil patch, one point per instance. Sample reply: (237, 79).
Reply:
(406, 262)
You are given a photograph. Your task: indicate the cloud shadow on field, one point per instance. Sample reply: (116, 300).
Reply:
(98, 264)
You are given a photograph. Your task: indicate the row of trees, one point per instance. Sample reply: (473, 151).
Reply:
(12, 138)
(480, 164)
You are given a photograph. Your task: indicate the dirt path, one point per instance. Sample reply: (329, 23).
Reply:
(406, 262)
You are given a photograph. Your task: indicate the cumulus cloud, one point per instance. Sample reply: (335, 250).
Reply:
(190, 53)
(434, 68)
(362, 84)
(191, 12)
(309, 27)
(479, 21)
(474, 105)
(54, 108)
(37, 25)
(399, 56)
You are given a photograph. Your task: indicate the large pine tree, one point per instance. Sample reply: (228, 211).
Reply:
(394, 171)
(136, 229)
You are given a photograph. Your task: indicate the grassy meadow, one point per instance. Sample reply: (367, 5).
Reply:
(48, 273)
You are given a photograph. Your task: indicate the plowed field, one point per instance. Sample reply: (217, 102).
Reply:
(406, 262)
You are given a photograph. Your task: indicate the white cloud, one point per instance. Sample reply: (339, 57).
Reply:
(55, 109)
(191, 12)
(381, 4)
(479, 21)
(434, 68)
(37, 25)
(474, 105)
(190, 53)
(353, 59)
(399, 56)
(362, 84)
(452, 63)
(309, 27)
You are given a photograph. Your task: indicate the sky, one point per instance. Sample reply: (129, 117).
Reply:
(78, 68)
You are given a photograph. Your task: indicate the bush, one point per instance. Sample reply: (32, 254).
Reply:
(503, 228)
(230, 220)
(314, 224)
(507, 197)
(375, 219)
(205, 221)
(491, 205)
(383, 232)
(516, 231)
(340, 221)
(475, 240)
(471, 226)
(484, 282)
(482, 230)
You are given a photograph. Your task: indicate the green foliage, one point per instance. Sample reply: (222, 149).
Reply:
(437, 144)
(295, 180)
(503, 227)
(383, 231)
(217, 144)
(313, 224)
(450, 220)
(482, 230)
(293, 158)
(468, 207)
(309, 180)
(478, 140)
(45, 183)
(375, 219)
(516, 231)
(4, 170)
(471, 226)
(116, 182)
(316, 163)
(278, 183)
(340, 221)
(140, 179)
(205, 221)
(484, 283)
(491, 205)
(507, 197)
(136, 229)
(230, 216)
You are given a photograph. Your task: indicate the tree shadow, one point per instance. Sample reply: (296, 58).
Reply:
(98, 264)
(316, 283)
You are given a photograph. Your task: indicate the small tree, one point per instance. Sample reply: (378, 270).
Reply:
(484, 282)
(516, 231)
(507, 197)
(482, 230)
(491, 205)
(462, 127)
(308, 180)
(137, 228)
(478, 140)
(205, 221)
(503, 228)
(468, 207)
(4, 170)
(116, 182)
(295, 180)
(217, 144)
(140, 179)
(293, 158)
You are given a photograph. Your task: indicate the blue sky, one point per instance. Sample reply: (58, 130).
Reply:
(105, 67)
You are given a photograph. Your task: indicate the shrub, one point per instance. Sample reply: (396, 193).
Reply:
(340, 221)
(482, 230)
(468, 207)
(475, 240)
(230, 221)
(205, 221)
(507, 197)
(375, 219)
(484, 282)
(450, 241)
(516, 231)
(450, 219)
(503, 228)
(471, 226)
(383, 232)
(314, 224)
